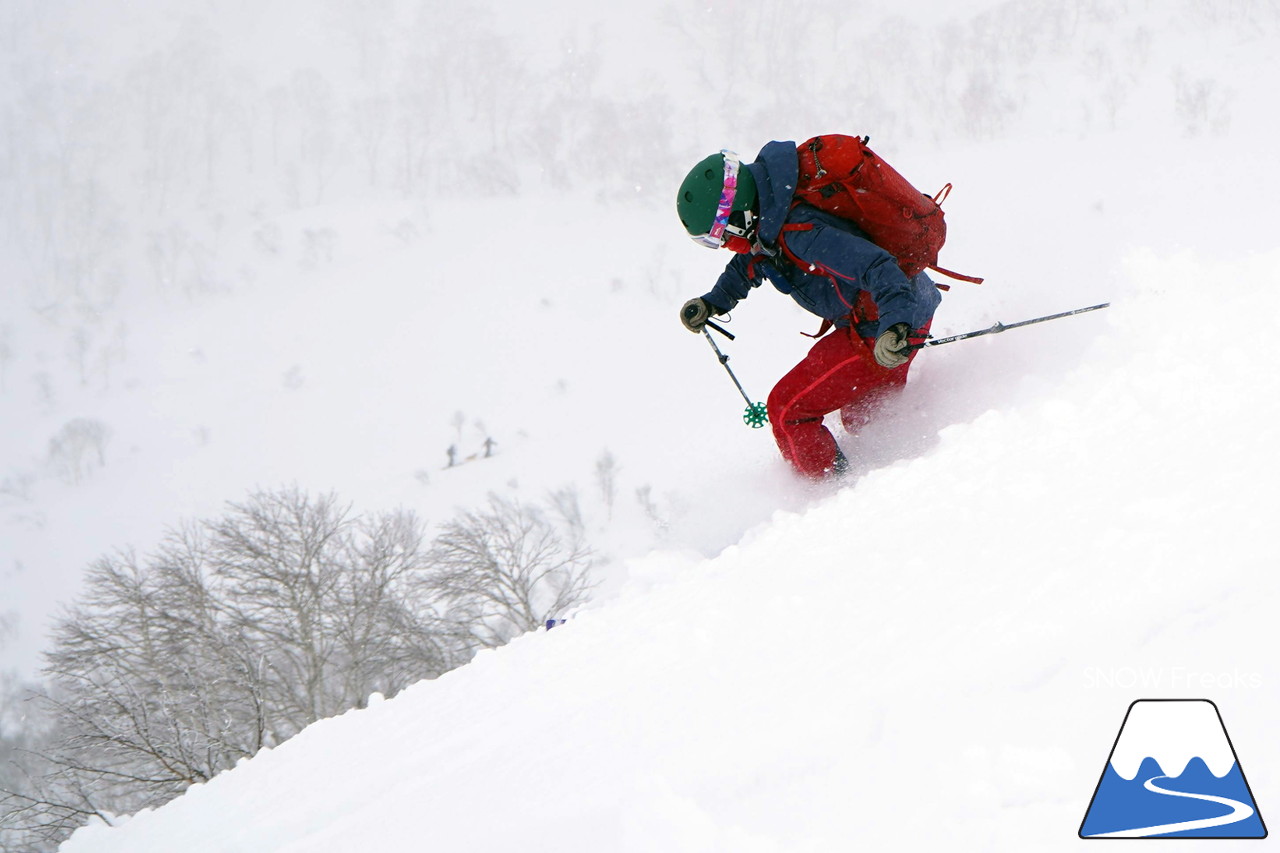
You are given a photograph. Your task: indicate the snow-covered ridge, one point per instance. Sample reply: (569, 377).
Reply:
(1173, 733)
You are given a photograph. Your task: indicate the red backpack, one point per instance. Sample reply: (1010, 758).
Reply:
(842, 176)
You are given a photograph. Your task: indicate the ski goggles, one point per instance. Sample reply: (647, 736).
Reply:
(715, 238)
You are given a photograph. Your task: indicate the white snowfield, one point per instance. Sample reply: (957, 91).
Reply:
(1172, 733)
(906, 662)
(934, 655)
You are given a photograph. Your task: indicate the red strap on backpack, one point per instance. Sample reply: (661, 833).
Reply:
(864, 308)
(840, 175)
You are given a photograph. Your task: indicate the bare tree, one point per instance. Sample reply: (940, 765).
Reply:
(370, 119)
(607, 479)
(148, 695)
(567, 506)
(506, 569)
(20, 733)
(78, 348)
(318, 140)
(234, 635)
(335, 602)
(644, 495)
(78, 448)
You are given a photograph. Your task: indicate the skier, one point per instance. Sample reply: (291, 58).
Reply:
(831, 269)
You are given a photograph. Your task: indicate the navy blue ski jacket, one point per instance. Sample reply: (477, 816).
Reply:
(837, 261)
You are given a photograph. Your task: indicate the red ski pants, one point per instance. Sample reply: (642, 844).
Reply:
(839, 372)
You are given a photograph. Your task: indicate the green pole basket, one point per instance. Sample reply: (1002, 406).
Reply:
(755, 416)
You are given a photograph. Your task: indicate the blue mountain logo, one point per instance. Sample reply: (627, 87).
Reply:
(1173, 773)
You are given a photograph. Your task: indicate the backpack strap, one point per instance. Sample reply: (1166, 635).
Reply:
(826, 326)
(819, 269)
(938, 200)
(812, 267)
(972, 279)
(830, 274)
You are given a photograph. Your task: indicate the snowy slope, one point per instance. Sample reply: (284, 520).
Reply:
(908, 661)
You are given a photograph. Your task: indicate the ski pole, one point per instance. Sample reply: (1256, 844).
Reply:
(1001, 327)
(756, 414)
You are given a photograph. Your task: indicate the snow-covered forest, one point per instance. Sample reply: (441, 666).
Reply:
(338, 346)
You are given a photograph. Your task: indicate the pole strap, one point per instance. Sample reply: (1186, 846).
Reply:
(721, 329)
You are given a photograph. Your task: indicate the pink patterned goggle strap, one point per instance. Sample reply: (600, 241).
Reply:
(715, 237)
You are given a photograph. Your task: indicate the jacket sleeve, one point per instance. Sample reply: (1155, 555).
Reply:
(856, 264)
(732, 287)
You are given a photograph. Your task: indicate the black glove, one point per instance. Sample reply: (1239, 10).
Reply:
(891, 347)
(695, 313)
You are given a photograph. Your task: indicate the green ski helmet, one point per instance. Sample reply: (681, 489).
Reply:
(707, 185)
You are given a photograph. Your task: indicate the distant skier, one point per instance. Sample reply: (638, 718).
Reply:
(831, 268)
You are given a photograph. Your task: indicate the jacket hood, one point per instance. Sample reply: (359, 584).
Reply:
(776, 171)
